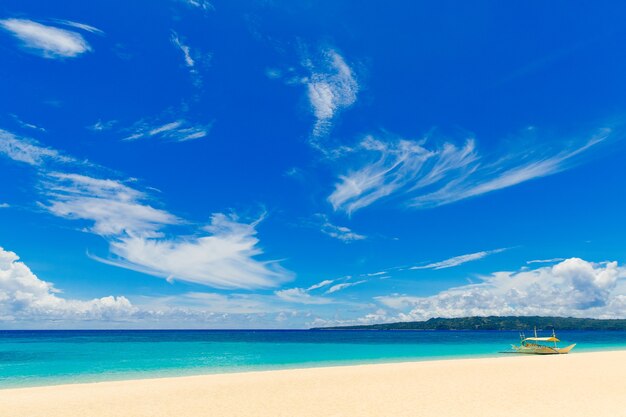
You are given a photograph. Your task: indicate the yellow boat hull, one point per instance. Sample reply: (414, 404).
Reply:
(543, 350)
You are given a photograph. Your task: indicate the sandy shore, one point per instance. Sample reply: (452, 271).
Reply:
(579, 384)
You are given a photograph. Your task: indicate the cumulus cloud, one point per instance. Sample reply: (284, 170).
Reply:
(23, 296)
(28, 301)
(573, 287)
(425, 177)
(459, 260)
(47, 41)
(331, 87)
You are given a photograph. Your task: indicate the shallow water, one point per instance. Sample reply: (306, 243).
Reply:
(30, 358)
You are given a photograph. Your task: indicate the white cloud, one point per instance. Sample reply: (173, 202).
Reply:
(320, 284)
(331, 87)
(273, 73)
(200, 4)
(177, 130)
(47, 41)
(303, 296)
(23, 296)
(113, 207)
(27, 125)
(343, 286)
(434, 177)
(573, 287)
(203, 304)
(82, 26)
(545, 261)
(185, 50)
(342, 233)
(193, 59)
(168, 127)
(100, 126)
(28, 150)
(300, 296)
(27, 301)
(459, 260)
(5, 205)
(222, 255)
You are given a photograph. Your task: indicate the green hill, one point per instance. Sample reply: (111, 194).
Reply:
(495, 323)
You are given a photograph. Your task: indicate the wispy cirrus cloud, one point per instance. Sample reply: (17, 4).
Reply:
(193, 59)
(48, 41)
(100, 126)
(425, 178)
(189, 61)
(29, 151)
(544, 261)
(338, 287)
(81, 26)
(179, 130)
(320, 284)
(204, 5)
(27, 125)
(331, 88)
(573, 287)
(221, 254)
(459, 260)
(112, 207)
(174, 124)
(343, 233)
(301, 296)
(310, 295)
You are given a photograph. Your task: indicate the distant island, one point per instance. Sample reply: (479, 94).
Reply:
(495, 323)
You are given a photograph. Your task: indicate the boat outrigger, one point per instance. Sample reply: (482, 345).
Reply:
(532, 345)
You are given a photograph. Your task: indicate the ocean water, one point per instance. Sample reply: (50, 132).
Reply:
(33, 358)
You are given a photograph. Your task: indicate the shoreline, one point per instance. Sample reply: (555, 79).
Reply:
(579, 384)
(162, 374)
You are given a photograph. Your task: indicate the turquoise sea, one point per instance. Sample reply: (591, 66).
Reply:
(31, 358)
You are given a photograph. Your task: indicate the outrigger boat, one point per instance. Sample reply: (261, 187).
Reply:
(532, 345)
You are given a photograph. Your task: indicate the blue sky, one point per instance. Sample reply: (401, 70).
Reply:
(188, 163)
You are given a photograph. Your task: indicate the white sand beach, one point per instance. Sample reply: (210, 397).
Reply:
(579, 384)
